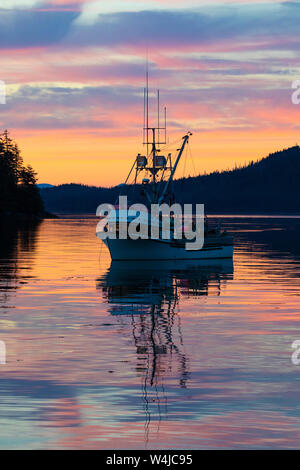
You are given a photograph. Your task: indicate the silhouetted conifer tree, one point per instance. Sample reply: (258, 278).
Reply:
(18, 190)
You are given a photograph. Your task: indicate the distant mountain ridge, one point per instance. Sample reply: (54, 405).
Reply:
(270, 185)
(45, 185)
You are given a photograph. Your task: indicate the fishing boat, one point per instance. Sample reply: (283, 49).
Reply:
(153, 176)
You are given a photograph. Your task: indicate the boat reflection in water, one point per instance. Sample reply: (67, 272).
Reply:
(145, 297)
(140, 287)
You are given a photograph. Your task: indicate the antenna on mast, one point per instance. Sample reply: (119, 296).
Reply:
(147, 102)
(158, 133)
(158, 116)
(165, 110)
(144, 115)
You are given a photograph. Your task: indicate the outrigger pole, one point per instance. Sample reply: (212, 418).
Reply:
(185, 140)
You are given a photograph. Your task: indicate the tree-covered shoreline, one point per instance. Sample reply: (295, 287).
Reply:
(19, 194)
(268, 186)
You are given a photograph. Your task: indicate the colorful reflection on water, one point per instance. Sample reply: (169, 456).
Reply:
(148, 355)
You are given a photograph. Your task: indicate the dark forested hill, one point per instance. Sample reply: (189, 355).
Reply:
(270, 185)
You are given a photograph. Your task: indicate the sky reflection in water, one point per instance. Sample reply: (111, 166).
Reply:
(148, 355)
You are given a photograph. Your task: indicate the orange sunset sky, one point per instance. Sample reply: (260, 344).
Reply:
(75, 70)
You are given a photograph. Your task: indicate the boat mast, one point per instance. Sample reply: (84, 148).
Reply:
(158, 162)
(154, 167)
(155, 133)
(154, 156)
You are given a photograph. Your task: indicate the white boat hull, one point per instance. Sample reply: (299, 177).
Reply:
(164, 250)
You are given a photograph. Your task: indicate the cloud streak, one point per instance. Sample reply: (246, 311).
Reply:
(223, 70)
(26, 28)
(256, 24)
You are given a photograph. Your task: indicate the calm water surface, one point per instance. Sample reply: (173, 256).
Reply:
(149, 355)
